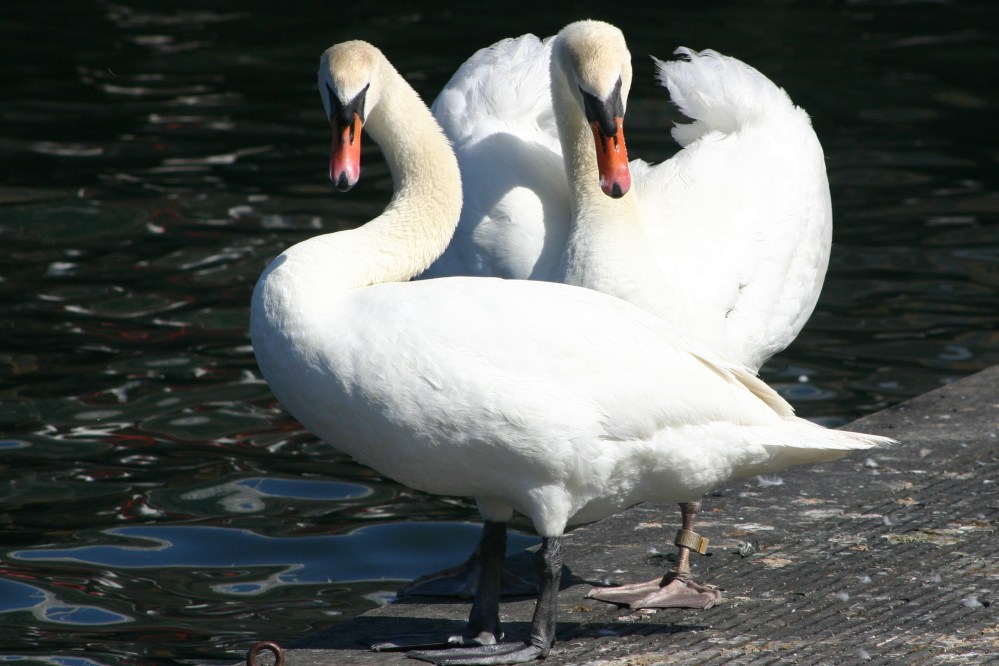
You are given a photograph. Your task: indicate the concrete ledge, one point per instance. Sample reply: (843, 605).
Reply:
(882, 557)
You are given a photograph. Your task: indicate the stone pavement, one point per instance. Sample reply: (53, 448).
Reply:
(881, 557)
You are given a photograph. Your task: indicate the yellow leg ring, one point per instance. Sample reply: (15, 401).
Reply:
(691, 540)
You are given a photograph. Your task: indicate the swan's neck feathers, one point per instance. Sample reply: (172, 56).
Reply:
(418, 222)
(301, 290)
(575, 136)
(607, 249)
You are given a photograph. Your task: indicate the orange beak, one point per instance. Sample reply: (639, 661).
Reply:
(612, 160)
(345, 154)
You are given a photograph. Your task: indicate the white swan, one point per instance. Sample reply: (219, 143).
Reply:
(739, 222)
(561, 403)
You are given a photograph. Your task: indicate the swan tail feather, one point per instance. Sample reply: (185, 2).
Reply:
(718, 92)
(798, 441)
(801, 442)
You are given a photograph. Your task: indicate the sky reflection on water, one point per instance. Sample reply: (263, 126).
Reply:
(365, 554)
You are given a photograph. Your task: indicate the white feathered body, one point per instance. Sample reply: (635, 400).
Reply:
(565, 404)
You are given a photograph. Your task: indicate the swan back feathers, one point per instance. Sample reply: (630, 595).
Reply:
(500, 87)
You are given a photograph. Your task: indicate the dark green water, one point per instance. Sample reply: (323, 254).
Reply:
(156, 504)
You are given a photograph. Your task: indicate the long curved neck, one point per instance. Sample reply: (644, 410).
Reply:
(421, 217)
(298, 294)
(607, 249)
(578, 151)
(420, 220)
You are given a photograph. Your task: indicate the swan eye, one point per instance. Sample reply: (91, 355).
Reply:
(343, 113)
(605, 112)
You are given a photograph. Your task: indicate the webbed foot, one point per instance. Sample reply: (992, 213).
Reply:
(676, 593)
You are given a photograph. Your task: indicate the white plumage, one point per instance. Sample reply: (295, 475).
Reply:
(562, 403)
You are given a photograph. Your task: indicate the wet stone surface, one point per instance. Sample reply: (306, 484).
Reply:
(881, 557)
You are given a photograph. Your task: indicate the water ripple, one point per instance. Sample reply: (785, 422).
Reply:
(362, 554)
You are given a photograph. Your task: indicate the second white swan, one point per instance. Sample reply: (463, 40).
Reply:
(728, 240)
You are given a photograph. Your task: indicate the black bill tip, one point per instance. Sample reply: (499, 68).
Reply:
(342, 183)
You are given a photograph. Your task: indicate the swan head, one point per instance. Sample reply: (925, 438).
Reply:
(594, 59)
(348, 86)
